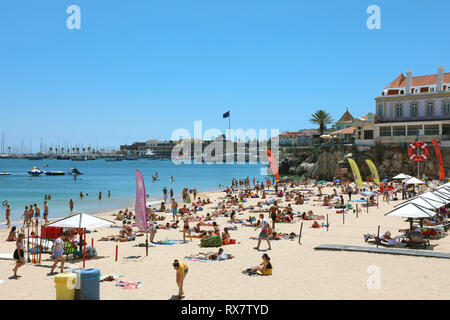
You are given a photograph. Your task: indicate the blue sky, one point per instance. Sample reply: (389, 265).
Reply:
(140, 69)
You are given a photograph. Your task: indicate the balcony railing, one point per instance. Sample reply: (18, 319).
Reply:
(385, 119)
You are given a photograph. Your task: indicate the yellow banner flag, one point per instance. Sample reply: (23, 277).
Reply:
(356, 173)
(374, 171)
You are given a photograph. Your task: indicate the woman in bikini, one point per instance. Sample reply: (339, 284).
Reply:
(265, 267)
(186, 229)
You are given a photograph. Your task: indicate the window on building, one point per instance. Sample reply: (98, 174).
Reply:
(432, 130)
(368, 134)
(414, 130)
(446, 129)
(399, 110)
(380, 110)
(414, 110)
(446, 108)
(399, 131)
(385, 131)
(430, 107)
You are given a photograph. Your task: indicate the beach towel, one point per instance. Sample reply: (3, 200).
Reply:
(196, 259)
(129, 285)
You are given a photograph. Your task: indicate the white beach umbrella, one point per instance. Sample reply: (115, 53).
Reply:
(444, 191)
(412, 210)
(402, 176)
(81, 220)
(433, 196)
(423, 202)
(413, 180)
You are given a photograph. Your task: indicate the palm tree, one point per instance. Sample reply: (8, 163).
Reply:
(50, 149)
(321, 118)
(89, 149)
(84, 150)
(73, 150)
(9, 150)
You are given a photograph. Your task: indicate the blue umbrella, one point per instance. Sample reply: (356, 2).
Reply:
(338, 180)
(384, 180)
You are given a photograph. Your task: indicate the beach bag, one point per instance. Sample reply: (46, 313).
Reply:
(212, 241)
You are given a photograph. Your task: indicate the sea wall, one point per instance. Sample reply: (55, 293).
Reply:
(326, 161)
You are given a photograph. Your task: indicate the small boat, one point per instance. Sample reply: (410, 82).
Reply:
(62, 158)
(55, 173)
(45, 165)
(35, 171)
(4, 173)
(113, 159)
(79, 158)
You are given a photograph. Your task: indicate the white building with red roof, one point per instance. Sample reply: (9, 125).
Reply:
(411, 107)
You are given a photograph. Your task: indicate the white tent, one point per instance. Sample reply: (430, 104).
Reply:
(413, 180)
(402, 176)
(423, 202)
(442, 192)
(433, 196)
(81, 220)
(411, 210)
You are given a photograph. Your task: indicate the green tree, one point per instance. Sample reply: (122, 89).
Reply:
(321, 118)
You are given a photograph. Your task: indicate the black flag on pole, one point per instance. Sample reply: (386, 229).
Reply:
(226, 114)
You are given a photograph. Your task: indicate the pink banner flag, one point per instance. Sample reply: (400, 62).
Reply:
(140, 207)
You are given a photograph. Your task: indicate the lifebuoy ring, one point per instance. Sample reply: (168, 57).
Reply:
(418, 157)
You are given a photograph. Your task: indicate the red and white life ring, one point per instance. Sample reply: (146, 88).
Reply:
(423, 155)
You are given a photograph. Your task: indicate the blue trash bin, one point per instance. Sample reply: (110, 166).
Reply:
(90, 284)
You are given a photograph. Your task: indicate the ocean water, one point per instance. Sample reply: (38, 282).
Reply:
(22, 189)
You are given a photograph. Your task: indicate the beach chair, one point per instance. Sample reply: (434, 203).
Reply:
(70, 250)
(415, 238)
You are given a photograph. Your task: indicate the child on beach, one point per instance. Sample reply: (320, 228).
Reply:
(19, 253)
(58, 253)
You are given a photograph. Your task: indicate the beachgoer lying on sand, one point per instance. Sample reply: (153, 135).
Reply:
(384, 238)
(265, 267)
(219, 255)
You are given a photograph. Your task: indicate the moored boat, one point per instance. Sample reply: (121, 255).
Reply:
(55, 173)
(35, 171)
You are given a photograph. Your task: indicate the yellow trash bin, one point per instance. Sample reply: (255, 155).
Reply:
(65, 286)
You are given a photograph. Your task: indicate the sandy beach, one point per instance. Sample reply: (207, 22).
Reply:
(299, 271)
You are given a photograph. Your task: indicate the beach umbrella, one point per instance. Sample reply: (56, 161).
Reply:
(81, 220)
(338, 180)
(413, 180)
(433, 196)
(423, 202)
(402, 176)
(412, 210)
(384, 180)
(443, 195)
(443, 191)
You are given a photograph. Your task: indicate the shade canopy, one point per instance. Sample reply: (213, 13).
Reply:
(442, 192)
(81, 220)
(413, 180)
(412, 210)
(423, 202)
(368, 193)
(433, 196)
(402, 176)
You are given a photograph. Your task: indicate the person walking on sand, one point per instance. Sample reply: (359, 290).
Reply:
(71, 206)
(26, 219)
(19, 253)
(31, 215)
(181, 272)
(37, 215)
(165, 194)
(273, 214)
(45, 212)
(58, 253)
(8, 214)
(174, 209)
(186, 229)
(265, 231)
